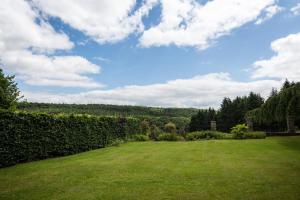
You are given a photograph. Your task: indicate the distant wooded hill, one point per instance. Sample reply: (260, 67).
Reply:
(107, 110)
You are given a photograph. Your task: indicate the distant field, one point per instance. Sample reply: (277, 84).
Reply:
(216, 169)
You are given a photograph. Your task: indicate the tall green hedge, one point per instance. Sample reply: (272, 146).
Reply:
(26, 137)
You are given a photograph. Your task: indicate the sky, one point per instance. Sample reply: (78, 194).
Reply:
(165, 53)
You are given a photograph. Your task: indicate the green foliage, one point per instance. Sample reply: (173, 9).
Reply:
(155, 116)
(139, 137)
(145, 127)
(170, 128)
(271, 116)
(154, 132)
(255, 135)
(117, 142)
(9, 92)
(160, 122)
(200, 135)
(239, 131)
(197, 135)
(201, 121)
(108, 110)
(233, 112)
(27, 137)
(169, 137)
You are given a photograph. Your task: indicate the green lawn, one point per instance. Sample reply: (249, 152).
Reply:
(216, 169)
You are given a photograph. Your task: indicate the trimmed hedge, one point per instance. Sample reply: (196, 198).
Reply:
(200, 135)
(27, 137)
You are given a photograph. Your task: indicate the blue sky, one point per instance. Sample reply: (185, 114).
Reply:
(128, 64)
(121, 63)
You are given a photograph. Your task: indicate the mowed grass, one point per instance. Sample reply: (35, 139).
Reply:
(216, 169)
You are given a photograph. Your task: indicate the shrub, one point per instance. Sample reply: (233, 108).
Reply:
(169, 137)
(239, 131)
(197, 135)
(139, 137)
(255, 135)
(116, 142)
(154, 132)
(27, 137)
(219, 135)
(145, 128)
(170, 128)
(200, 135)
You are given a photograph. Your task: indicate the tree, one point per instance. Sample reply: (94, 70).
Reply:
(233, 112)
(287, 84)
(254, 101)
(274, 92)
(225, 119)
(273, 115)
(201, 121)
(9, 92)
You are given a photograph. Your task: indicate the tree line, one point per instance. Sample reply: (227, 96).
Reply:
(106, 110)
(231, 112)
(280, 109)
(269, 115)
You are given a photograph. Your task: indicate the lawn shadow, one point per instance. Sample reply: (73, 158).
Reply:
(290, 144)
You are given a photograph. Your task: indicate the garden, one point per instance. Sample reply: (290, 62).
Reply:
(247, 149)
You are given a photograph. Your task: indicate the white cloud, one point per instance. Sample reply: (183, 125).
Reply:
(26, 40)
(183, 22)
(269, 13)
(20, 31)
(200, 91)
(28, 43)
(104, 21)
(286, 62)
(62, 71)
(296, 9)
(188, 23)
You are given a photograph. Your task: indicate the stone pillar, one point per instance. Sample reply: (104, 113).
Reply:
(249, 122)
(213, 125)
(290, 124)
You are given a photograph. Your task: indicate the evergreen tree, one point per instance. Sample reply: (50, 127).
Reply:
(254, 101)
(232, 112)
(286, 85)
(274, 92)
(201, 121)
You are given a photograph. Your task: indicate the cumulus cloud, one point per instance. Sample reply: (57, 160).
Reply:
(26, 44)
(183, 22)
(296, 9)
(286, 61)
(19, 29)
(62, 71)
(104, 21)
(189, 23)
(200, 91)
